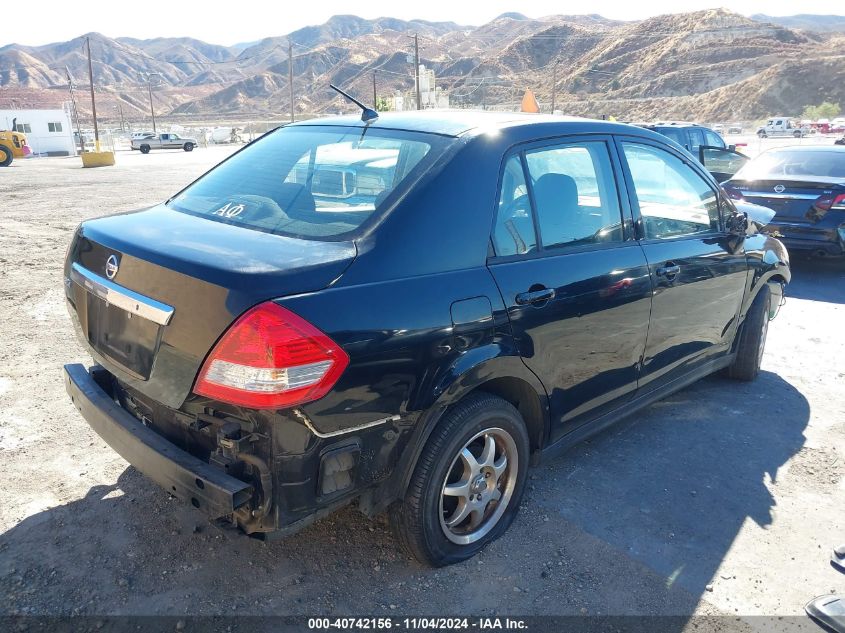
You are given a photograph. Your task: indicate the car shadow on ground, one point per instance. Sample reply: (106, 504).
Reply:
(817, 280)
(672, 486)
(635, 521)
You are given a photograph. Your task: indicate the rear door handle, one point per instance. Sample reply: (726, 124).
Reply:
(535, 296)
(669, 271)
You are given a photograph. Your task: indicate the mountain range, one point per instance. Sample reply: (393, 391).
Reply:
(705, 65)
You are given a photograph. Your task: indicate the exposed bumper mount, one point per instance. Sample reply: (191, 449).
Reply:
(184, 476)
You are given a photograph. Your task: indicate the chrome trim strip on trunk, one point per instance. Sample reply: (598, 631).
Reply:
(779, 196)
(123, 298)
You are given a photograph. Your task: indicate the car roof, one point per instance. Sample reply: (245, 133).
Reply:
(459, 122)
(674, 124)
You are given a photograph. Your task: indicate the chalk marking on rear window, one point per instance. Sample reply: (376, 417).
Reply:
(231, 210)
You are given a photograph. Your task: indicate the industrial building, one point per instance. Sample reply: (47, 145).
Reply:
(48, 132)
(430, 95)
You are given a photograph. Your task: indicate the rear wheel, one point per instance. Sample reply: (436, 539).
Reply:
(145, 149)
(468, 482)
(188, 147)
(797, 134)
(6, 156)
(752, 338)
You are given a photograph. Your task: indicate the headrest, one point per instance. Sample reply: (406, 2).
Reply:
(294, 198)
(556, 190)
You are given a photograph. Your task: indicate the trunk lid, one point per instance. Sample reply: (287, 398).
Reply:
(150, 292)
(792, 200)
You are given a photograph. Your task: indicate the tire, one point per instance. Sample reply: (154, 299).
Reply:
(188, 147)
(6, 156)
(475, 425)
(761, 134)
(797, 134)
(752, 339)
(145, 149)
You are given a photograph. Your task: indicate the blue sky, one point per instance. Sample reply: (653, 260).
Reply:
(44, 21)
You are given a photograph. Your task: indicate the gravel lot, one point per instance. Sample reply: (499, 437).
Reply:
(725, 499)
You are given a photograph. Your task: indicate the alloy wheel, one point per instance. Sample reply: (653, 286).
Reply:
(478, 486)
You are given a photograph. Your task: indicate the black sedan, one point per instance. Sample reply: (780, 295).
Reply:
(805, 187)
(405, 312)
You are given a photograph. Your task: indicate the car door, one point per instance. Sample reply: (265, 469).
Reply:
(575, 281)
(698, 269)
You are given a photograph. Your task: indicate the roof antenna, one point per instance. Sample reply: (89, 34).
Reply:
(367, 114)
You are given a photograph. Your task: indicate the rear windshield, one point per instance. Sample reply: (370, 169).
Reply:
(778, 164)
(674, 133)
(311, 182)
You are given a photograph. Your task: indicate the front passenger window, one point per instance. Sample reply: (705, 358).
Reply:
(713, 139)
(673, 199)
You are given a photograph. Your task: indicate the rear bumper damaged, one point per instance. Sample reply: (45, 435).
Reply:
(181, 474)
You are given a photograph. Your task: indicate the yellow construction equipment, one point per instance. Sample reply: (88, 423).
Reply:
(12, 145)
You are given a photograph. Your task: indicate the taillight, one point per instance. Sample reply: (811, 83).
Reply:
(271, 358)
(827, 202)
(733, 193)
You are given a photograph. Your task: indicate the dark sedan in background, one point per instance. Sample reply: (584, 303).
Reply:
(805, 187)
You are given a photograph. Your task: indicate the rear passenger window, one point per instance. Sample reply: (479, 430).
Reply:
(673, 199)
(514, 232)
(675, 134)
(575, 195)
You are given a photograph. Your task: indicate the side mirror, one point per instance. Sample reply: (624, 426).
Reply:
(737, 223)
(732, 148)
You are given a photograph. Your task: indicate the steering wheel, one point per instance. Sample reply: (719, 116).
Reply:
(520, 202)
(508, 210)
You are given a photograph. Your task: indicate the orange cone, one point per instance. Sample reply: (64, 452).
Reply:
(529, 102)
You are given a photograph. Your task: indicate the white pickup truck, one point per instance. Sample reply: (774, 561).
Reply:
(163, 141)
(782, 126)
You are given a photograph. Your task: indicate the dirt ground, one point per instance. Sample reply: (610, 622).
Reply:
(724, 499)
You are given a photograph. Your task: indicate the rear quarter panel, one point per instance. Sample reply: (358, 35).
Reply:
(768, 260)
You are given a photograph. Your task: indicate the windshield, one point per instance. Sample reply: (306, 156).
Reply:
(311, 182)
(777, 164)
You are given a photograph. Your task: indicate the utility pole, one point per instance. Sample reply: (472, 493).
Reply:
(75, 111)
(122, 122)
(375, 96)
(290, 78)
(150, 89)
(417, 70)
(93, 103)
(554, 86)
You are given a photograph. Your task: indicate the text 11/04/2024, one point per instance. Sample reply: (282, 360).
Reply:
(417, 624)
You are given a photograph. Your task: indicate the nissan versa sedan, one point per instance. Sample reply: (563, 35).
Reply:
(406, 312)
(805, 187)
